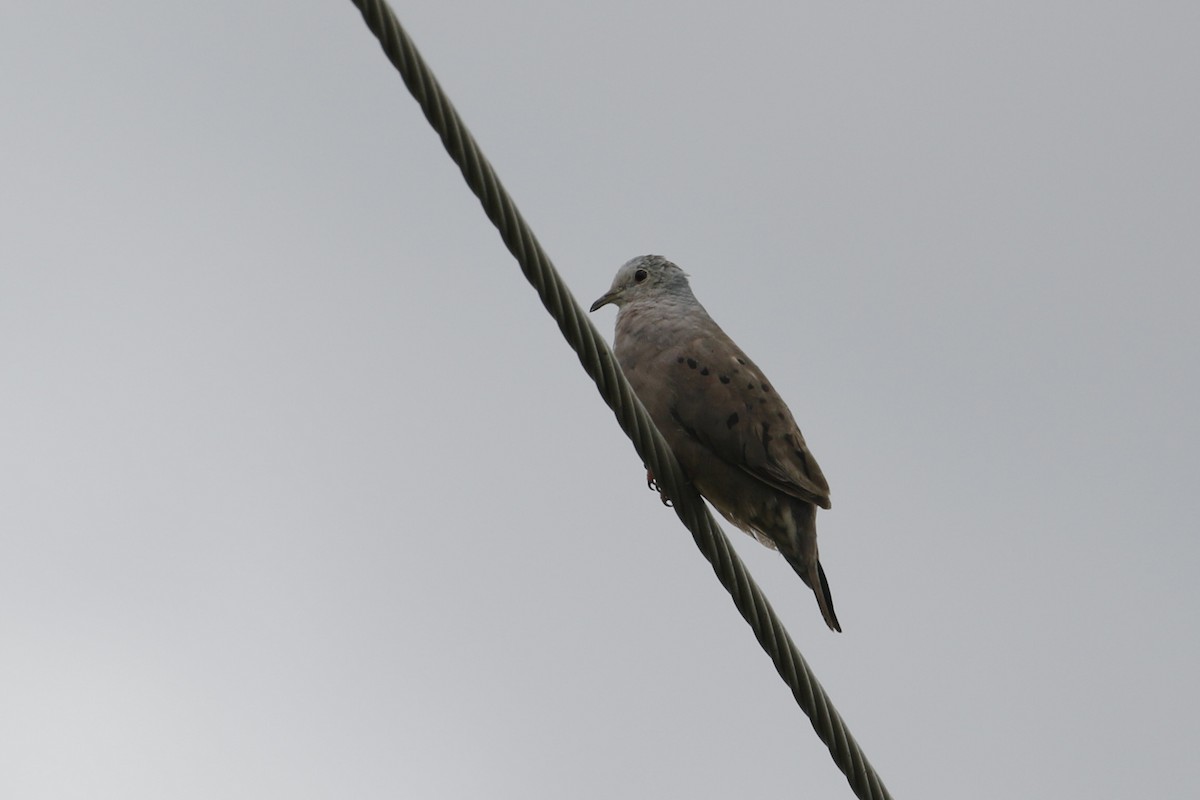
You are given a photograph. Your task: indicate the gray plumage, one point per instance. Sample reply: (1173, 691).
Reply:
(730, 430)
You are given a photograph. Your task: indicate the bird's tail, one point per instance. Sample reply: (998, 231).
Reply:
(810, 571)
(820, 586)
(800, 550)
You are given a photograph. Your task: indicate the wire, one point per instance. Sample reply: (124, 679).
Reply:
(598, 361)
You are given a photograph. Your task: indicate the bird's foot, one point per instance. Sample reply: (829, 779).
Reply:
(653, 486)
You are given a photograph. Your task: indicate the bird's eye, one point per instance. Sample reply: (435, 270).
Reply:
(640, 275)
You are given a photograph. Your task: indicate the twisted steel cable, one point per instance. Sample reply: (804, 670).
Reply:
(599, 363)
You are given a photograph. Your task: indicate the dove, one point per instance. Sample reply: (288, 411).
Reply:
(731, 432)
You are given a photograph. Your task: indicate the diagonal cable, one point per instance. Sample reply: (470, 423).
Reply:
(598, 361)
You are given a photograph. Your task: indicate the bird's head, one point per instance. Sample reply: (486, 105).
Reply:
(645, 278)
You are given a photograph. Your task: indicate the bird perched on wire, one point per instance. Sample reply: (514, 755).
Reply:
(729, 429)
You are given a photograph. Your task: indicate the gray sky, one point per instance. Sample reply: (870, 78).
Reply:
(304, 496)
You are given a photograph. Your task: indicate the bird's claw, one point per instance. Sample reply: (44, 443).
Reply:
(653, 486)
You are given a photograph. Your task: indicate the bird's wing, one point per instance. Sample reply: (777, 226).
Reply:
(723, 401)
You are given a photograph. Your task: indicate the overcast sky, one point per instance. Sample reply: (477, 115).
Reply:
(302, 494)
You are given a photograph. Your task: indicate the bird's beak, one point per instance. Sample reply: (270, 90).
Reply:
(604, 300)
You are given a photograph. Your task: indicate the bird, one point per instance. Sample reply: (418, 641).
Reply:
(730, 430)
